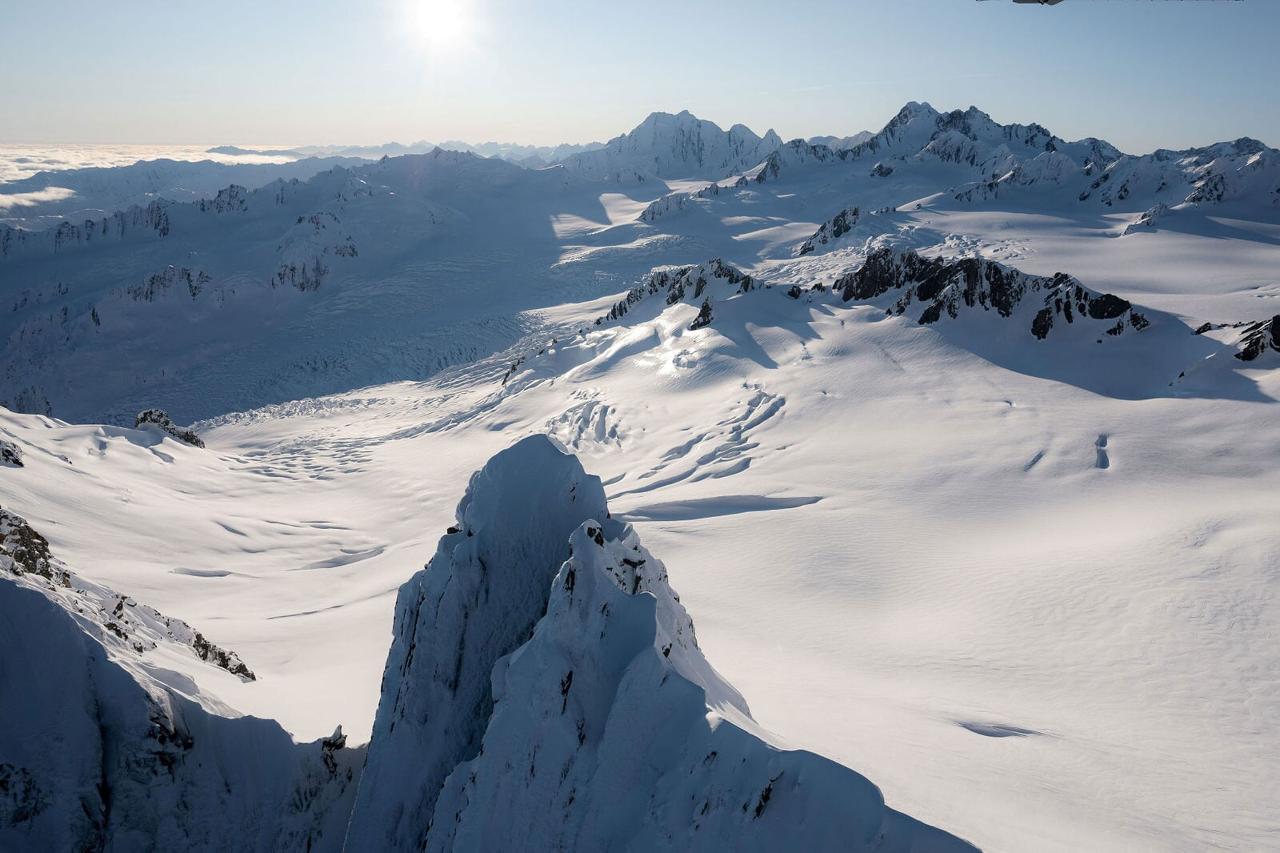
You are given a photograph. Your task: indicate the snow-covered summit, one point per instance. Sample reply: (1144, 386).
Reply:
(541, 666)
(675, 146)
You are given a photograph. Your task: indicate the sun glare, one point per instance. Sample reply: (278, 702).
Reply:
(442, 26)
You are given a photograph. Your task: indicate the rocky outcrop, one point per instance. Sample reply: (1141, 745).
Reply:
(545, 690)
(833, 229)
(678, 202)
(159, 419)
(1258, 338)
(230, 199)
(677, 284)
(150, 220)
(10, 454)
(704, 316)
(158, 285)
(1147, 220)
(939, 288)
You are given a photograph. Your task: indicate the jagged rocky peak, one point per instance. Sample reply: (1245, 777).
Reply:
(687, 283)
(949, 287)
(159, 419)
(545, 690)
(230, 199)
(1258, 338)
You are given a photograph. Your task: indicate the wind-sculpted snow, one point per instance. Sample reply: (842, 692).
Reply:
(545, 690)
(949, 287)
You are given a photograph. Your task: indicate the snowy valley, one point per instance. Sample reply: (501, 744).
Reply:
(957, 439)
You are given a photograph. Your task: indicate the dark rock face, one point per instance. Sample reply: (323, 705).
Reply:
(160, 418)
(704, 316)
(949, 286)
(1107, 307)
(833, 229)
(221, 658)
(231, 199)
(1258, 338)
(880, 170)
(10, 454)
(27, 551)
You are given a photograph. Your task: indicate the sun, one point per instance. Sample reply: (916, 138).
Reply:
(442, 26)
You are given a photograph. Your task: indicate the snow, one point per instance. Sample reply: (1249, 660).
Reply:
(1024, 585)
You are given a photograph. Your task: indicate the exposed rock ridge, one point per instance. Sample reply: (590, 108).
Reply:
(940, 286)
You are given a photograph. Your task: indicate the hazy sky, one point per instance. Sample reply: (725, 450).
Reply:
(1140, 74)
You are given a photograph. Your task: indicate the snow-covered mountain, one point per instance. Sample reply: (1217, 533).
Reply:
(674, 146)
(840, 143)
(968, 481)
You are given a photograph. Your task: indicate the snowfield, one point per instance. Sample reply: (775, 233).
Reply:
(1001, 541)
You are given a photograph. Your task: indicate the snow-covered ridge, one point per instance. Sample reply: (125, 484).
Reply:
(118, 619)
(542, 664)
(949, 287)
(831, 230)
(678, 202)
(105, 753)
(679, 284)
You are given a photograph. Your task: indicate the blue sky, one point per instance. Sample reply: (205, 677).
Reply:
(1140, 74)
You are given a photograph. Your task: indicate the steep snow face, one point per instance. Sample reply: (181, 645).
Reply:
(631, 741)
(545, 690)
(476, 601)
(106, 751)
(675, 146)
